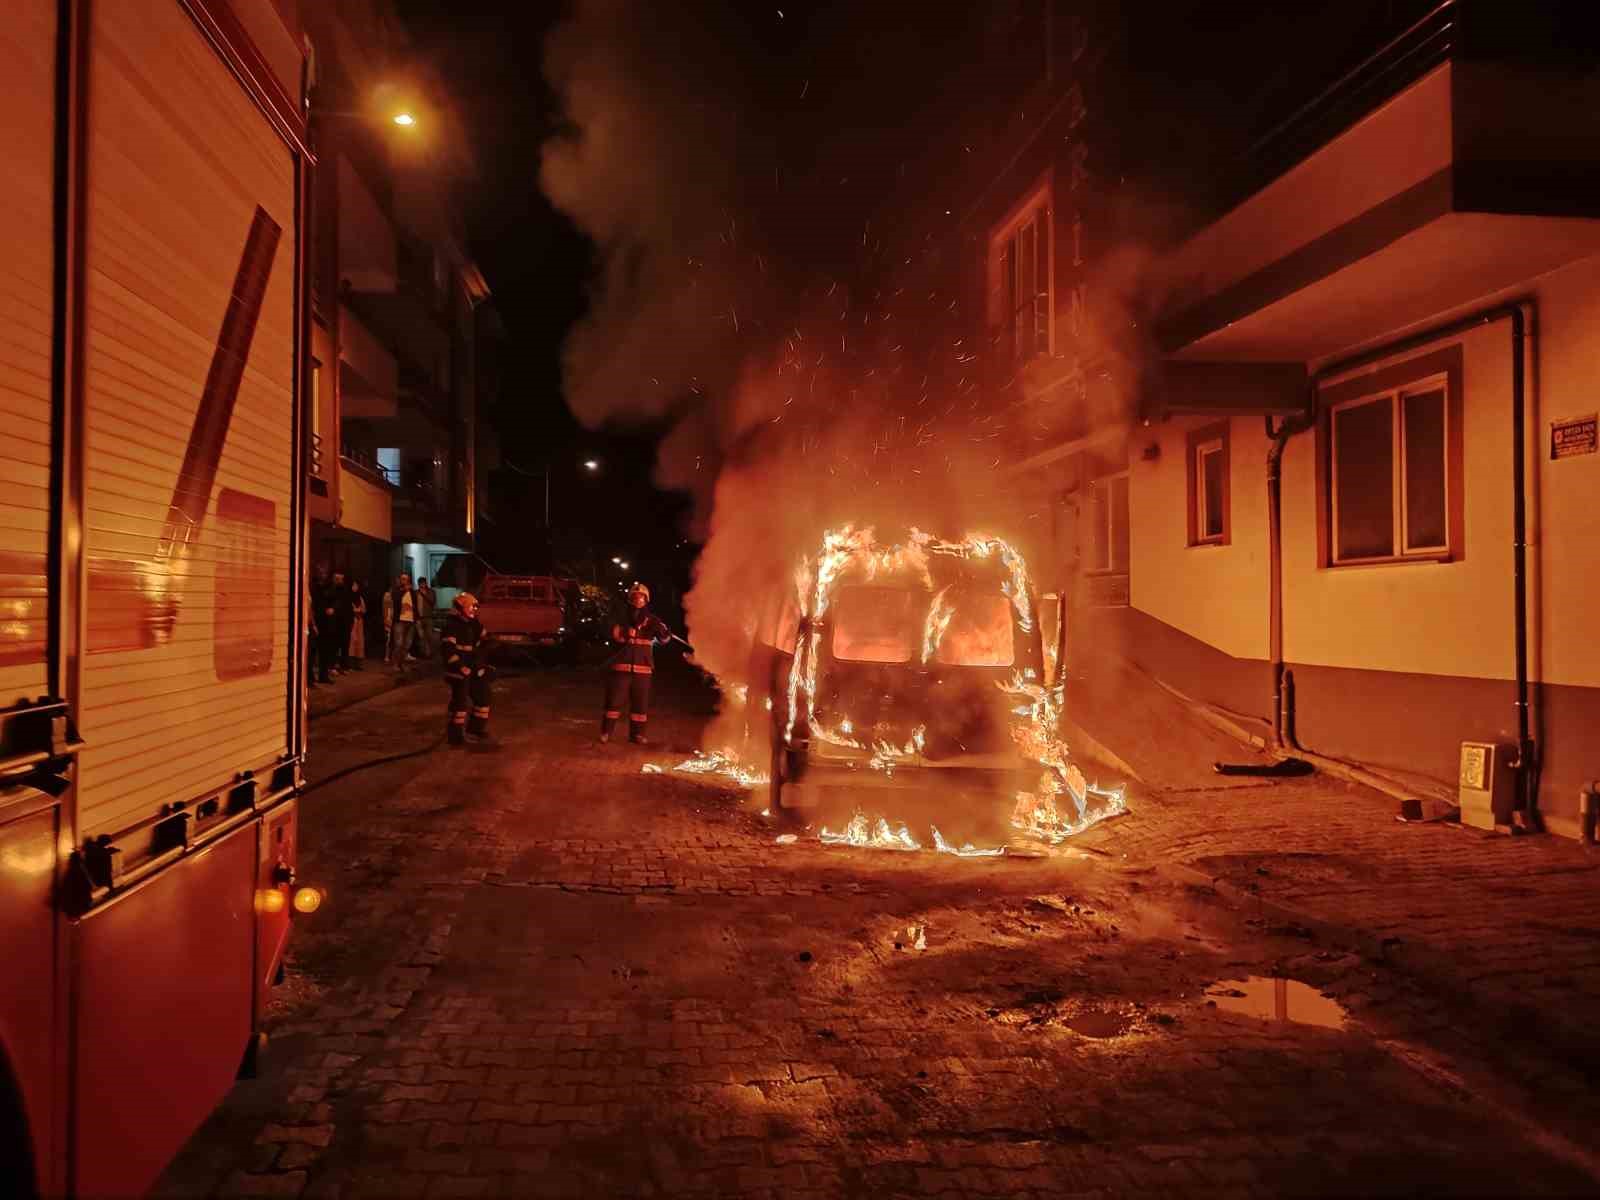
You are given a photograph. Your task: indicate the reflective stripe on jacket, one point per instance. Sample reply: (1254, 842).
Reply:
(463, 646)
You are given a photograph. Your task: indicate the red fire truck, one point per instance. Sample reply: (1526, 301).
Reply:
(152, 540)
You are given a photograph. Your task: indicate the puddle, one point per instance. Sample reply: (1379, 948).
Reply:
(1273, 999)
(1099, 1024)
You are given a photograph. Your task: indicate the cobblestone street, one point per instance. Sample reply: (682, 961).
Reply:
(541, 972)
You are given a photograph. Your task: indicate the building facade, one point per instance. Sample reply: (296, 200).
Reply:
(402, 317)
(1314, 425)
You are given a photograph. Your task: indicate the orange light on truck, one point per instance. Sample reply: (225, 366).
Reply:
(270, 900)
(307, 900)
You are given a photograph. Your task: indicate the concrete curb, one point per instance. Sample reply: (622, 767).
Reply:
(1349, 772)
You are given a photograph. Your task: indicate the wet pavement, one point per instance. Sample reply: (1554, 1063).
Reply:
(542, 971)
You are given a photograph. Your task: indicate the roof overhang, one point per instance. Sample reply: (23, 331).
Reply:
(1472, 181)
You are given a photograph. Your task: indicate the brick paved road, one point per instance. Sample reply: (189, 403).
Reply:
(542, 973)
(1508, 929)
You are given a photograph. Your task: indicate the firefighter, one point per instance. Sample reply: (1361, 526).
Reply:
(629, 681)
(467, 671)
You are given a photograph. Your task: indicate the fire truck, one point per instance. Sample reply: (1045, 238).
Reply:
(153, 360)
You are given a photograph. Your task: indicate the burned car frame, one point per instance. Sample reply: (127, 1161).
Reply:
(919, 667)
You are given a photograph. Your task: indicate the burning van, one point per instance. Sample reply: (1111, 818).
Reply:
(914, 676)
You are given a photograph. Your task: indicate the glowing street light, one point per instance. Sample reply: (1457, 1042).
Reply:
(616, 560)
(624, 566)
(404, 118)
(590, 464)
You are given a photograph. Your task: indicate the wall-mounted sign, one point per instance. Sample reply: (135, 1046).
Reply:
(1572, 436)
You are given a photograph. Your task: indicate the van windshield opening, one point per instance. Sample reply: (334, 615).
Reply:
(874, 625)
(979, 633)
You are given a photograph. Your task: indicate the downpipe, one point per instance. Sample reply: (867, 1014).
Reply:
(1519, 313)
(1282, 685)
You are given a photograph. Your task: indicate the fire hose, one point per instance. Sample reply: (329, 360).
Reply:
(373, 762)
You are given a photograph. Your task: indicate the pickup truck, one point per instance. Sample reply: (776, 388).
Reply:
(529, 613)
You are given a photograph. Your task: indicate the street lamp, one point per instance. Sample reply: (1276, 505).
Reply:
(624, 566)
(591, 465)
(402, 118)
(616, 560)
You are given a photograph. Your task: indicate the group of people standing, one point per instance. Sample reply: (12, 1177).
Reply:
(339, 616)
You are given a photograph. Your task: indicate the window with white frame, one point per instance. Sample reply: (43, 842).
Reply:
(1021, 254)
(1390, 474)
(1208, 486)
(1208, 464)
(1108, 524)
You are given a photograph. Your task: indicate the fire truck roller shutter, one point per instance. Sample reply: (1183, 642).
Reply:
(189, 377)
(27, 130)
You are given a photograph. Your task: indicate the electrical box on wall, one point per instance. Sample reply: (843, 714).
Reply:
(1487, 784)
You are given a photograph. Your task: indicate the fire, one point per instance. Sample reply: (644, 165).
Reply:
(1041, 813)
(885, 754)
(848, 549)
(716, 762)
(869, 835)
(1034, 732)
(933, 629)
(966, 850)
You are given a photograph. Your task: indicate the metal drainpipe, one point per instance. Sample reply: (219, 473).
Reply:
(1281, 719)
(1518, 312)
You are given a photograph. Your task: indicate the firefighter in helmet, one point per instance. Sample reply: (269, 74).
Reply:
(467, 671)
(628, 681)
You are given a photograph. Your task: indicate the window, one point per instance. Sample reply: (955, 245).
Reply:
(1020, 279)
(873, 625)
(1209, 521)
(979, 633)
(389, 463)
(1389, 476)
(1390, 460)
(1108, 524)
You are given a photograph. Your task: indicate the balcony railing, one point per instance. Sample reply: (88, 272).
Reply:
(1389, 70)
(366, 463)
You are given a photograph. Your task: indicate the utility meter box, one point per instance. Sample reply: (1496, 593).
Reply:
(1487, 784)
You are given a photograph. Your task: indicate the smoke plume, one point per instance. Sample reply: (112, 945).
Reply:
(807, 370)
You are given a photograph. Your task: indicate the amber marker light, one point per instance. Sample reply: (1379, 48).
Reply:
(270, 900)
(307, 900)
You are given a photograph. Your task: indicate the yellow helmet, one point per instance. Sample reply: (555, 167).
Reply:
(465, 600)
(640, 589)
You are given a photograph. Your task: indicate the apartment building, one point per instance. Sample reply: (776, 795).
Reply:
(402, 317)
(1311, 411)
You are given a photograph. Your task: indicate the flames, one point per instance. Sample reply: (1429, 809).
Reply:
(1038, 813)
(1061, 804)
(885, 754)
(864, 834)
(933, 629)
(725, 763)
(1042, 813)
(849, 551)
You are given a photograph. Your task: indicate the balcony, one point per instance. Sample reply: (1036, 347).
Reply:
(412, 317)
(368, 374)
(365, 496)
(423, 512)
(1438, 172)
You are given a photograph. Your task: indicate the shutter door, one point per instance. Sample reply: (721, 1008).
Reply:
(27, 131)
(188, 374)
